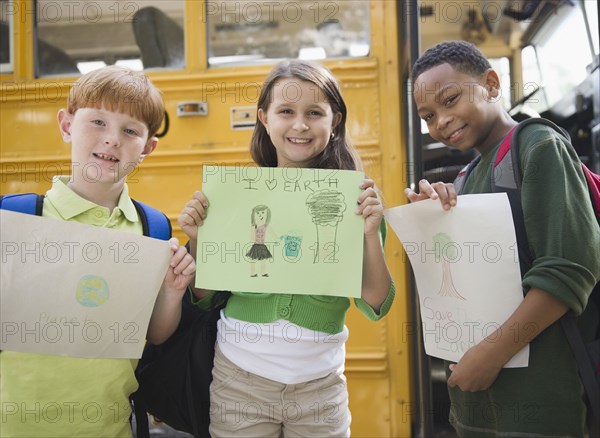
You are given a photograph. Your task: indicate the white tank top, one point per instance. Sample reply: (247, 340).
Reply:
(281, 351)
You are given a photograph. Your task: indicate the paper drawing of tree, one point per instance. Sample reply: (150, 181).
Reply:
(444, 250)
(326, 208)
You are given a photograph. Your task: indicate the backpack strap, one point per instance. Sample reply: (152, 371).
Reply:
(142, 426)
(593, 182)
(27, 203)
(461, 178)
(154, 223)
(589, 376)
(507, 176)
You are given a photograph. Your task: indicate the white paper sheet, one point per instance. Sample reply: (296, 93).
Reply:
(467, 270)
(76, 290)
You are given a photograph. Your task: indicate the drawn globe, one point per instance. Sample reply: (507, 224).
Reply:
(92, 291)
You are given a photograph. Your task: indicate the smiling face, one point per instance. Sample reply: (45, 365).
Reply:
(299, 121)
(460, 110)
(260, 217)
(106, 146)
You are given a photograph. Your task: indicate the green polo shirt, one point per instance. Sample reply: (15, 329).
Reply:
(54, 396)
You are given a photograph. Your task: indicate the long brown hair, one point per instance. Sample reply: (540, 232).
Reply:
(339, 153)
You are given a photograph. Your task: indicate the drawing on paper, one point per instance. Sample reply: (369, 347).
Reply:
(260, 219)
(446, 251)
(292, 245)
(326, 208)
(92, 291)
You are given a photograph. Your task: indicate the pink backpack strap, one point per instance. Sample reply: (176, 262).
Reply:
(504, 147)
(593, 181)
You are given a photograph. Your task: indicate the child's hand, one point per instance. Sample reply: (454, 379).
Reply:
(181, 270)
(193, 214)
(475, 371)
(370, 207)
(167, 309)
(443, 191)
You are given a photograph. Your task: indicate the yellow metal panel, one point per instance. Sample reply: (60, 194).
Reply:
(386, 48)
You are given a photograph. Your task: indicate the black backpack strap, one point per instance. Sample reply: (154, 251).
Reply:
(589, 376)
(461, 178)
(142, 427)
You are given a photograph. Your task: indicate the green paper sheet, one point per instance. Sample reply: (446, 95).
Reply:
(282, 230)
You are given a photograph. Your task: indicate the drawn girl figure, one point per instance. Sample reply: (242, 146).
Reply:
(259, 219)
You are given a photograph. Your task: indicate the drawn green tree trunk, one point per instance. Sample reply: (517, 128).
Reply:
(326, 208)
(446, 252)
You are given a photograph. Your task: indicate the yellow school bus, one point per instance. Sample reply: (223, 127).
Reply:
(209, 58)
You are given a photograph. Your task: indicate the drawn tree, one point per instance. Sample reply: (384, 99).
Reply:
(444, 250)
(326, 208)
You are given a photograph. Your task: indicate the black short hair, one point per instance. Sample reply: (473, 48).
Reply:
(461, 55)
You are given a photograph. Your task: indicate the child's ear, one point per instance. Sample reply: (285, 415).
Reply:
(262, 116)
(337, 118)
(65, 119)
(491, 83)
(149, 147)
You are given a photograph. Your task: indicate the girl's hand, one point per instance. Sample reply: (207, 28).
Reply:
(193, 214)
(443, 191)
(181, 270)
(370, 207)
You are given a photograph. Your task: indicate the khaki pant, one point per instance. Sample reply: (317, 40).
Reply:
(246, 405)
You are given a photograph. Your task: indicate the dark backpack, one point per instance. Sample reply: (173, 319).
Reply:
(507, 177)
(175, 377)
(154, 224)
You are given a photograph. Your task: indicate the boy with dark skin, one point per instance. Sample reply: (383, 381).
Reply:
(457, 94)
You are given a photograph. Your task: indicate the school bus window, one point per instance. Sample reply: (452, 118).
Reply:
(245, 32)
(591, 15)
(6, 36)
(562, 62)
(532, 80)
(76, 37)
(502, 67)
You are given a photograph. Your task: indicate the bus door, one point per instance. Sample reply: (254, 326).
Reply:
(543, 74)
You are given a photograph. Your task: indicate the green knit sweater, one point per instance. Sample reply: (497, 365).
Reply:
(546, 398)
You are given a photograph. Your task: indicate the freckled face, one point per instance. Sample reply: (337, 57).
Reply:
(457, 107)
(299, 121)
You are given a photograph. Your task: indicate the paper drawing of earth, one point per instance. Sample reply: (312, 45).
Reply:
(92, 291)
